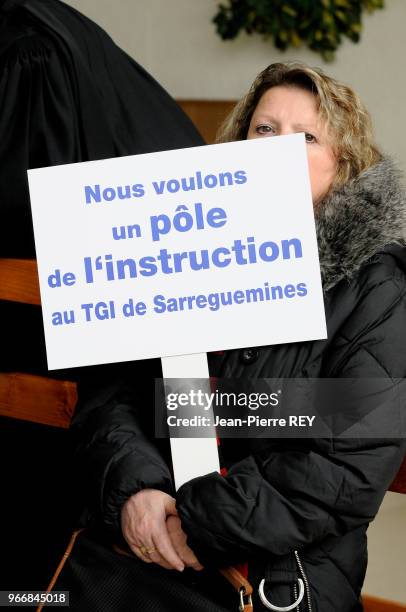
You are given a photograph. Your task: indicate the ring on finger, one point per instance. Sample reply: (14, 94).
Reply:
(146, 551)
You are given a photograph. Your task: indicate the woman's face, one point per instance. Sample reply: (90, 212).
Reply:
(289, 109)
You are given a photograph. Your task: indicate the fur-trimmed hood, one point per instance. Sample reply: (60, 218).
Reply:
(358, 219)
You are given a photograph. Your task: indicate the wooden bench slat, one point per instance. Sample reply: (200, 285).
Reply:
(375, 604)
(19, 281)
(38, 399)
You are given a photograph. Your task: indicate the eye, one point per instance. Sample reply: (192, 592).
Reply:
(309, 138)
(264, 129)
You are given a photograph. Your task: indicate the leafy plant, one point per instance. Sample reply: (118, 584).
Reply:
(320, 24)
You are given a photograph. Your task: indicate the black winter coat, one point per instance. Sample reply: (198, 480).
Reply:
(315, 497)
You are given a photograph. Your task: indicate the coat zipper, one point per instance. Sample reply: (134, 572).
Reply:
(295, 595)
(306, 582)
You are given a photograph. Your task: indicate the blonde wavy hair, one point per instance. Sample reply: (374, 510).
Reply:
(347, 119)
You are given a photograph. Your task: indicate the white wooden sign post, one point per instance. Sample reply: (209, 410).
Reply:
(202, 454)
(176, 254)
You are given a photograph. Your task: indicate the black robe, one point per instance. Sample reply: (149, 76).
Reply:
(68, 94)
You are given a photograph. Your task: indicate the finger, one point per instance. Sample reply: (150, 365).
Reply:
(170, 508)
(142, 556)
(137, 551)
(197, 566)
(156, 558)
(178, 540)
(153, 554)
(163, 544)
(190, 559)
(150, 557)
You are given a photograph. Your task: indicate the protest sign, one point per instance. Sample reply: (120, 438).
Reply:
(177, 252)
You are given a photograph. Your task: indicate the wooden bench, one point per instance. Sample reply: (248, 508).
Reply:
(19, 392)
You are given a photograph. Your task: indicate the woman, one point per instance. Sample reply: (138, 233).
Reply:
(297, 510)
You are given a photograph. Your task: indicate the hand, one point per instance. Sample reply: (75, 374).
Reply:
(178, 539)
(143, 523)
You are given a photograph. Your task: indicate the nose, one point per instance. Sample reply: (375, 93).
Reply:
(285, 130)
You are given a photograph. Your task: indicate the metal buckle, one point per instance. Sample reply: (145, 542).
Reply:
(242, 602)
(270, 606)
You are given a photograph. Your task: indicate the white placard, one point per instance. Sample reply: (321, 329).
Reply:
(178, 252)
(191, 457)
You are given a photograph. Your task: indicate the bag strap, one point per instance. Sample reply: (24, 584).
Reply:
(237, 579)
(242, 586)
(61, 564)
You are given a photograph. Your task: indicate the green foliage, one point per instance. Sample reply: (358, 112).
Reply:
(320, 24)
